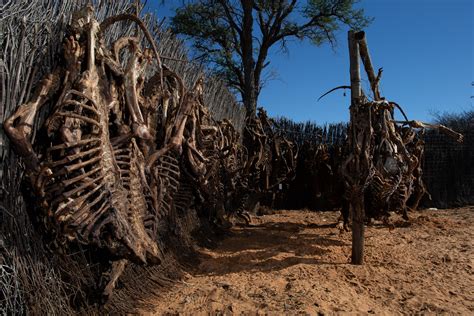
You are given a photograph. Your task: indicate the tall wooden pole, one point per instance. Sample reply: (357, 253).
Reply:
(356, 91)
(357, 137)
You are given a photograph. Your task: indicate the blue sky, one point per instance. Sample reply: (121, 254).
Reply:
(426, 48)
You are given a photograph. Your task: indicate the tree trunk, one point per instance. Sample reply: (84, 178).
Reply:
(249, 93)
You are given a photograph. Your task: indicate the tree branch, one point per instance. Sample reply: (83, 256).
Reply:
(230, 19)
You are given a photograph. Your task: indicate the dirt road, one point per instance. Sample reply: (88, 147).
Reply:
(296, 262)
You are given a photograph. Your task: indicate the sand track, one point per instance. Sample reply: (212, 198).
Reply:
(296, 262)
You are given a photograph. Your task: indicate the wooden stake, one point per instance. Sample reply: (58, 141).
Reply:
(358, 229)
(357, 199)
(356, 91)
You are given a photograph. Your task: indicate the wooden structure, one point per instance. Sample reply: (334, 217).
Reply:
(382, 169)
(357, 166)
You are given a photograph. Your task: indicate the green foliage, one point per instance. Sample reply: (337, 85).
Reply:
(216, 30)
(205, 23)
(328, 16)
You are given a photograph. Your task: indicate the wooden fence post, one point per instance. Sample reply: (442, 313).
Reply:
(356, 90)
(357, 194)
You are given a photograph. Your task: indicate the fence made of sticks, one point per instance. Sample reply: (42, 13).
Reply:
(448, 169)
(447, 165)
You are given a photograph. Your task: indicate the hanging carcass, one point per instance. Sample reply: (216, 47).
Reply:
(107, 171)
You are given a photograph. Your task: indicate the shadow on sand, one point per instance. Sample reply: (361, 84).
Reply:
(269, 247)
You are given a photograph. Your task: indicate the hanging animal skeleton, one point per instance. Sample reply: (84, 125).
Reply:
(128, 147)
(383, 165)
(111, 168)
(271, 159)
(213, 163)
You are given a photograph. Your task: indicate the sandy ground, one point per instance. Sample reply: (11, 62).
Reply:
(296, 262)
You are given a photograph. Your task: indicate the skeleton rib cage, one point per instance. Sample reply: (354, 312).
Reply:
(129, 148)
(90, 175)
(93, 177)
